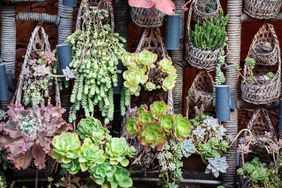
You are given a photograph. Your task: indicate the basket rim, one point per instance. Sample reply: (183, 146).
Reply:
(218, 8)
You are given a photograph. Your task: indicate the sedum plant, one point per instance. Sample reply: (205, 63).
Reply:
(154, 126)
(92, 149)
(211, 34)
(38, 78)
(28, 133)
(96, 50)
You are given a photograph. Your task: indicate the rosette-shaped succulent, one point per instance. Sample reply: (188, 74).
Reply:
(169, 82)
(128, 60)
(146, 58)
(182, 127)
(131, 126)
(90, 155)
(117, 149)
(134, 77)
(159, 108)
(66, 147)
(152, 136)
(166, 66)
(72, 167)
(107, 175)
(92, 128)
(166, 122)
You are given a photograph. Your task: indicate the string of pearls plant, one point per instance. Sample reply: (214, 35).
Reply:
(96, 50)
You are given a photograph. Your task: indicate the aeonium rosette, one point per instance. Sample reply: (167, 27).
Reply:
(154, 126)
(28, 133)
(145, 71)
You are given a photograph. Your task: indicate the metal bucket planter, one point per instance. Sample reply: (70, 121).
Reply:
(70, 3)
(173, 32)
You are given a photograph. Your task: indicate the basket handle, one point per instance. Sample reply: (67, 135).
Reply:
(152, 33)
(31, 46)
(85, 3)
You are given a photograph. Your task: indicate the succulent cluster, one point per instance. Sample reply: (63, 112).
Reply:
(154, 126)
(92, 149)
(38, 78)
(209, 140)
(211, 34)
(96, 50)
(144, 71)
(28, 133)
(259, 174)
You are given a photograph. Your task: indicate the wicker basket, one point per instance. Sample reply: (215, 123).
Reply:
(199, 58)
(269, 91)
(201, 94)
(101, 4)
(262, 9)
(147, 17)
(38, 43)
(259, 124)
(200, 15)
(265, 55)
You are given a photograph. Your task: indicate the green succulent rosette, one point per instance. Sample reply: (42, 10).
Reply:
(159, 108)
(146, 58)
(152, 136)
(182, 127)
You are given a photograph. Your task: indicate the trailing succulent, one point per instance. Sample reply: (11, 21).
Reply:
(28, 133)
(96, 50)
(144, 71)
(209, 140)
(154, 126)
(211, 34)
(92, 149)
(38, 78)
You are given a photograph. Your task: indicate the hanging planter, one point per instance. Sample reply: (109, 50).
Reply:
(4, 92)
(205, 41)
(262, 9)
(201, 93)
(262, 71)
(205, 9)
(172, 39)
(147, 13)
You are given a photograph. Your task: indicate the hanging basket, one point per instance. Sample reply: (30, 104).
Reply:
(101, 4)
(259, 124)
(201, 93)
(147, 17)
(38, 43)
(200, 15)
(265, 46)
(199, 58)
(262, 9)
(267, 91)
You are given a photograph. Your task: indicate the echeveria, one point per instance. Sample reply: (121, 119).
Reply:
(66, 147)
(159, 108)
(72, 167)
(128, 60)
(217, 165)
(146, 58)
(117, 150)
(169, 82)
(90, 155)
(182, 127)
(28, 133)
(166, 66)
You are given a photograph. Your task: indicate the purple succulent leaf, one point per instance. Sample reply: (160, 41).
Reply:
(23, 161)
(39, 156)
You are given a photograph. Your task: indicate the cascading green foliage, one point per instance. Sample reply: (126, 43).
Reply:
(92, 149)
(154, 126)
(96, 50)
(211, 34)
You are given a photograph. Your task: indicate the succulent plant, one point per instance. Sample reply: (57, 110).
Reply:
(28, 133)
(117, 149)
(66, 147)
(107, 175)
(217, 165)
(153, 126)
(96, 53)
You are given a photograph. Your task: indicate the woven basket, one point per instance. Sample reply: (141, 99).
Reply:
(259, 124)
(200, 15)
(269, 91)
(262, 9)
(265, 55)
(101, 4)
(147, 17)
(199, 58)
(38, 43)
(201, 93)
